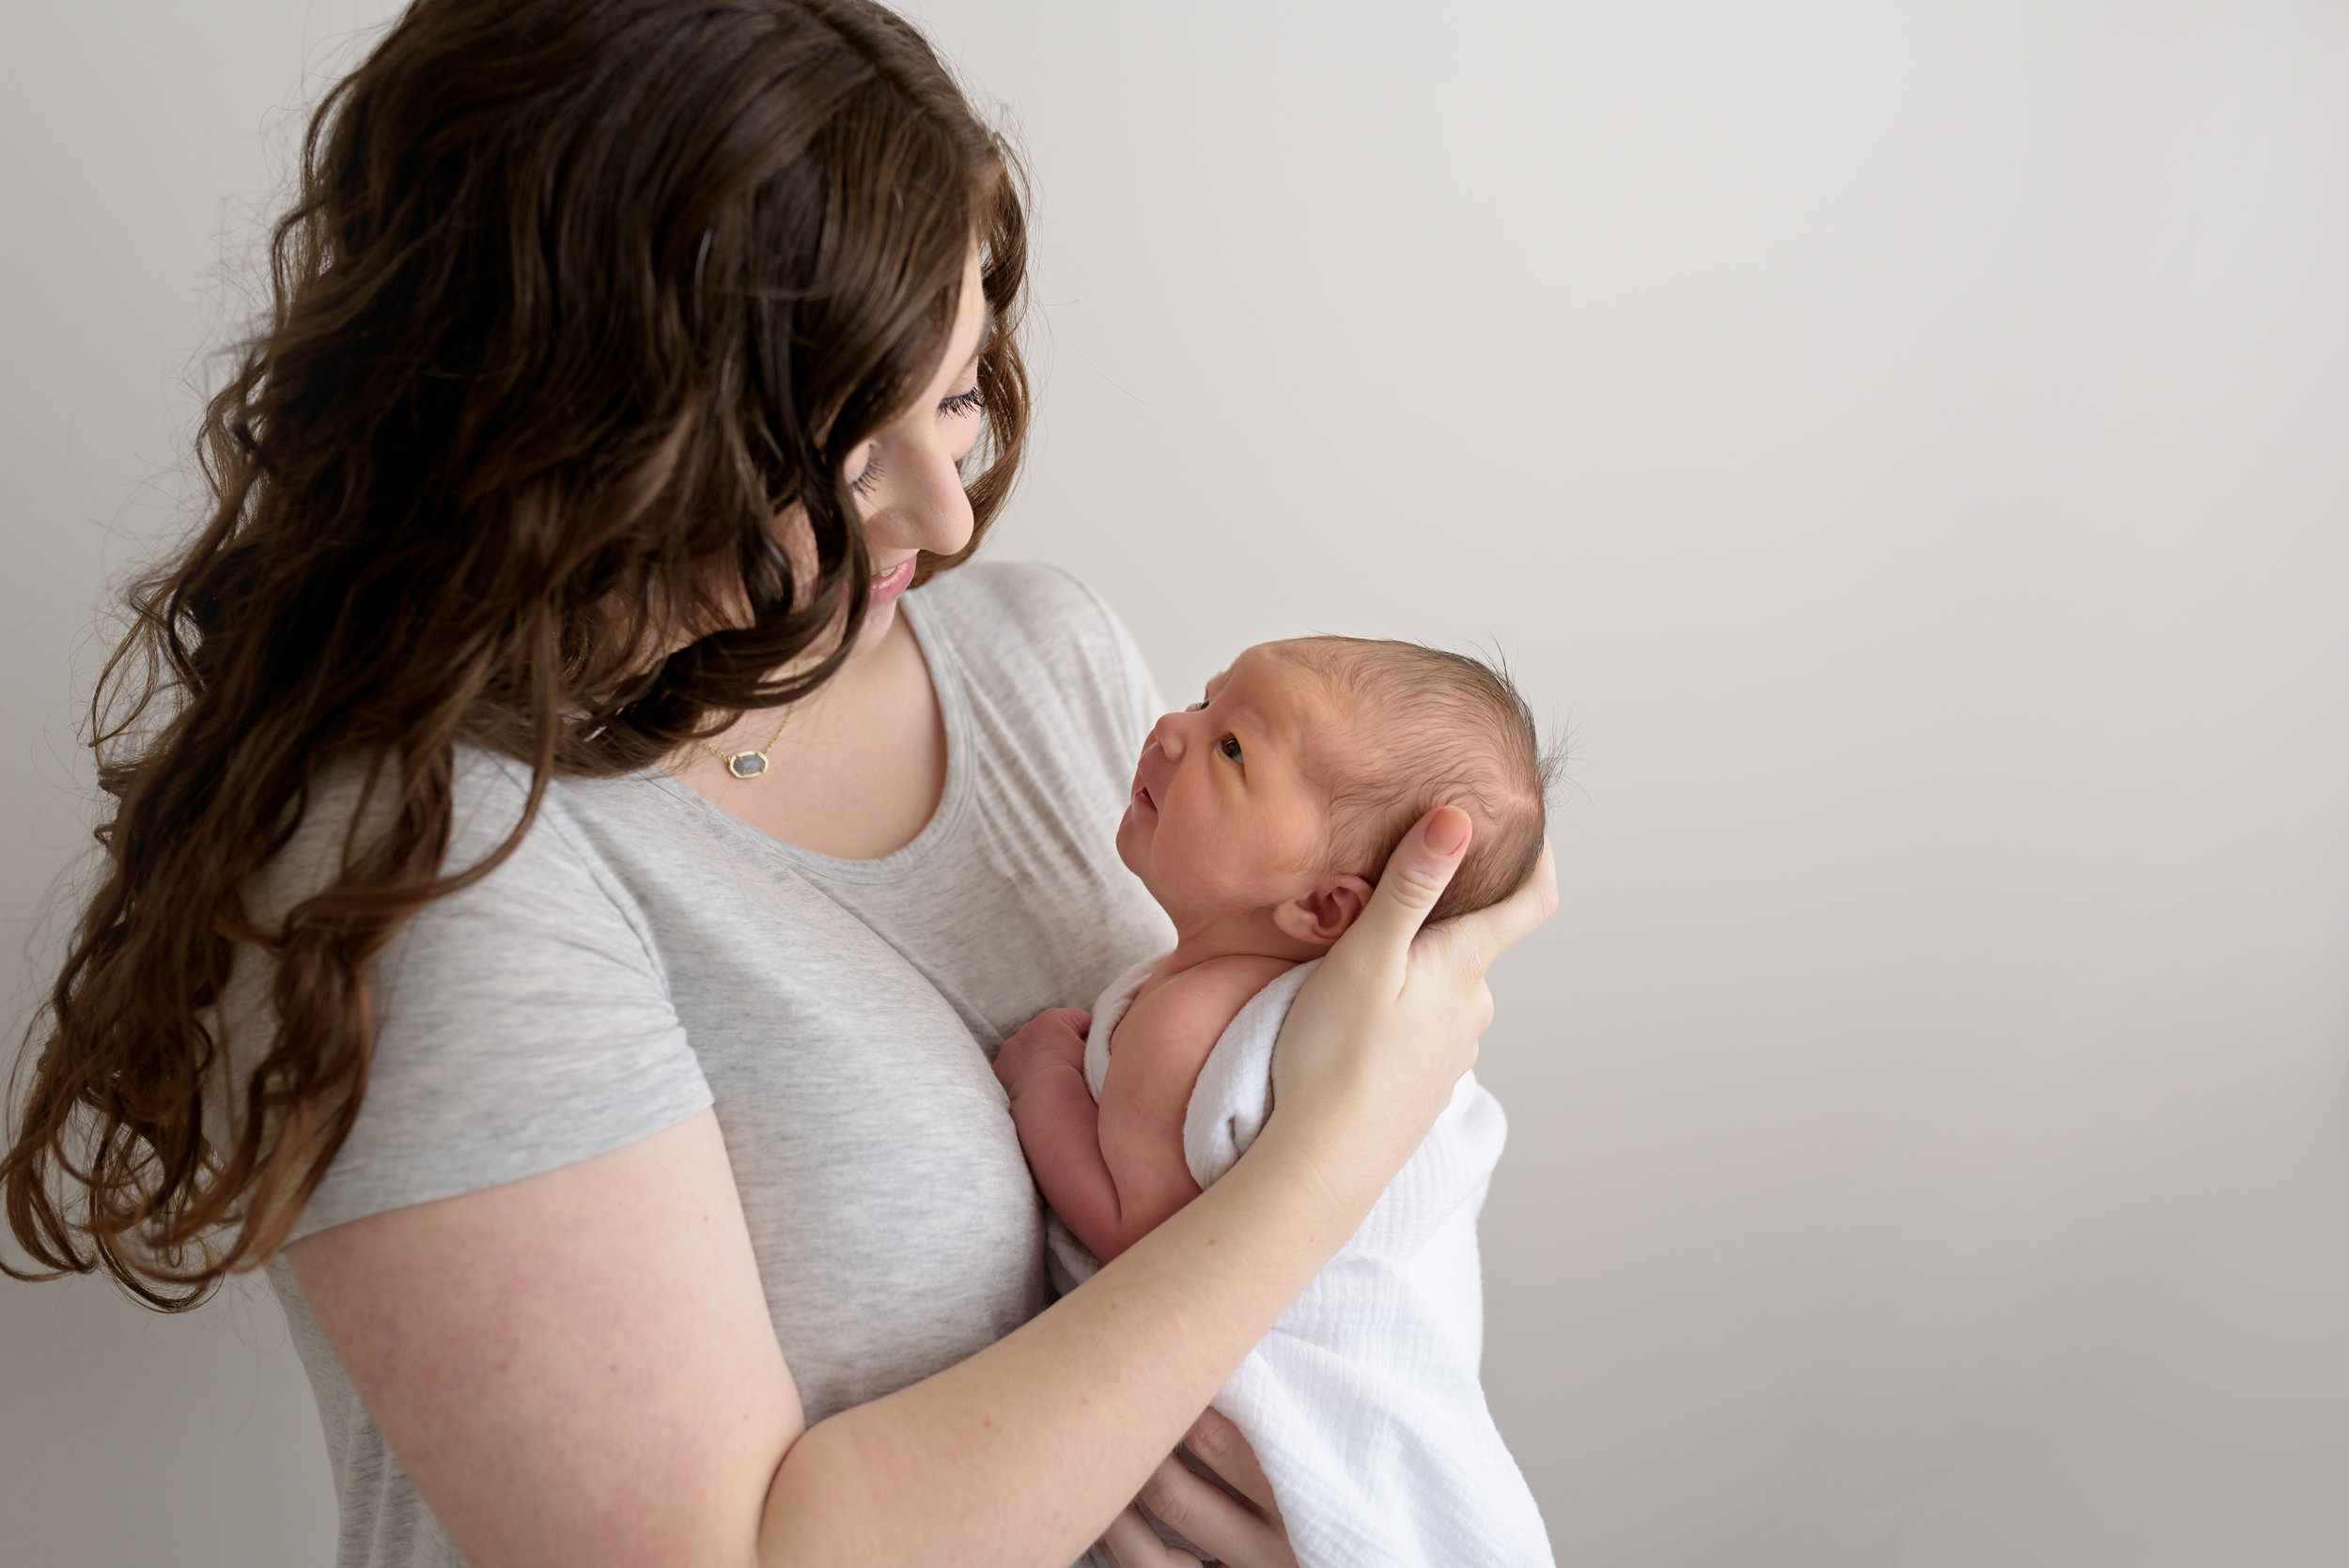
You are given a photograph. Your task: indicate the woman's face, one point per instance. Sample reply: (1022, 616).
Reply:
(908, 477)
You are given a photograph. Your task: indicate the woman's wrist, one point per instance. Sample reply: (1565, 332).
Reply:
(1320, 1163)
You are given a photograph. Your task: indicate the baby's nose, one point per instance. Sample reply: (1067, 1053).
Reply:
(1170, 739)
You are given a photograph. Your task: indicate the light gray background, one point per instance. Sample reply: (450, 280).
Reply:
(1905, 442)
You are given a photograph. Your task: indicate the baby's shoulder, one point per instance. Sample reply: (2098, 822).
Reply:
(1202, 1002)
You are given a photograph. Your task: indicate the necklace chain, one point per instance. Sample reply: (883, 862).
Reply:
(748, 765)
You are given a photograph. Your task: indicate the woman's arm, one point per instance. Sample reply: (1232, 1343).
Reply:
(578, 1367)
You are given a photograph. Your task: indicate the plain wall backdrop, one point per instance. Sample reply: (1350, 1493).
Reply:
(1907, 444)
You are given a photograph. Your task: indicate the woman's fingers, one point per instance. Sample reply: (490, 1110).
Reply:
(1373, 1048)
(1130, 1543)
(1216, 1443)
(1213, 1520)
(1417, 873)
(1476, 939)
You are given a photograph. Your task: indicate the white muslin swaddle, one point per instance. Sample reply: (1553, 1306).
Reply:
(1362, 1403)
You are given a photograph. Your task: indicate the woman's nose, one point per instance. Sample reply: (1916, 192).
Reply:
(941, 520)
(922, 503)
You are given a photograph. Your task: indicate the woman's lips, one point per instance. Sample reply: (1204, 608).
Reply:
(896, 579)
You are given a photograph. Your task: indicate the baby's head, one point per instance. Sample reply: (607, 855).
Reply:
(1273, 804)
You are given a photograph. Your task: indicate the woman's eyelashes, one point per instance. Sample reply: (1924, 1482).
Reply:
(948, 407)
(864, 483)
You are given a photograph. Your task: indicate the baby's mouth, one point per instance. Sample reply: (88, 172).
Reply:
(1141, 797)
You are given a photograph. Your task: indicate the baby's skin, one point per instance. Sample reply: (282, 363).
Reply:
(1228, 828)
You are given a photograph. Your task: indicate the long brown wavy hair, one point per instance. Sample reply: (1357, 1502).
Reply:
(577, 298)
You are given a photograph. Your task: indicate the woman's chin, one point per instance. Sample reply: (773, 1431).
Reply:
(878, 618)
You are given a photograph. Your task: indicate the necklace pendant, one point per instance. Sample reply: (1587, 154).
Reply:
(747, 765)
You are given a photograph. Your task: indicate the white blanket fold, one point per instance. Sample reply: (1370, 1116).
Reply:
(1362, 1403)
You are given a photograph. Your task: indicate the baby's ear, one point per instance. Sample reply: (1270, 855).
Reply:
(1322, 916)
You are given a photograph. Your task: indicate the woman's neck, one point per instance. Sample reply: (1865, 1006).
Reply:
(860, 767)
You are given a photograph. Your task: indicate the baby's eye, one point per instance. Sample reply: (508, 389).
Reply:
(1229, 745)
(1195, 708)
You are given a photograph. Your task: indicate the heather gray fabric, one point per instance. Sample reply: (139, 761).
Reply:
(645, 953)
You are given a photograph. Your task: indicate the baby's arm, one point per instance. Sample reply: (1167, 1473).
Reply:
(1052, 1108)
(1112, 1171)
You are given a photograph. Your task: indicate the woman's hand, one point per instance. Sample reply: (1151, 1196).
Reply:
(1241, 1532)
(1380, 1033)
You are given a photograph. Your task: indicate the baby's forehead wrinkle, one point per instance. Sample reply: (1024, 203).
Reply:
(1293, 699)
(1326, 744)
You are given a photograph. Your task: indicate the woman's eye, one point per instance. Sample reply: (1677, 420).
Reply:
(960, 404)
(864, 483)
(1229, 745)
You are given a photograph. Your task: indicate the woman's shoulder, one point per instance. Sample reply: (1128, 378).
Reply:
(529, 861)
(352, 798)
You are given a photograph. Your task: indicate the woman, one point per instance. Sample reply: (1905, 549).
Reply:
(562, 910)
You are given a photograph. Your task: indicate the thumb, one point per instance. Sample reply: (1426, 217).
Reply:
(1417, 873)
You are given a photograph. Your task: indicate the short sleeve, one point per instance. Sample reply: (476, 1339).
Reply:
(522, 1025)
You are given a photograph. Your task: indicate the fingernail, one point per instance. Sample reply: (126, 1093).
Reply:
(1447, 831)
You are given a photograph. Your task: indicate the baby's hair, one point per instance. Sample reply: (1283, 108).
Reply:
(1443, 729)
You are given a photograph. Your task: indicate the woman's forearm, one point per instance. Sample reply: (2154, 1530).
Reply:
(579, 1368)
(1093, 1393)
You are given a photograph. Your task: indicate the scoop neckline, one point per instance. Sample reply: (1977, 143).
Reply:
(946, 682)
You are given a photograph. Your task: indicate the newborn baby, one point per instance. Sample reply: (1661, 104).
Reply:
(1259, 818)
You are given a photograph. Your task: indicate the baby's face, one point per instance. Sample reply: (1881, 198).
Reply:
(1223, 820)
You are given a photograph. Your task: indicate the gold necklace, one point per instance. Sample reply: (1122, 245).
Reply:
(748, 765)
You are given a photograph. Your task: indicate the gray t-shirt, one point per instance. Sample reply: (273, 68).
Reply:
(645, 953)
